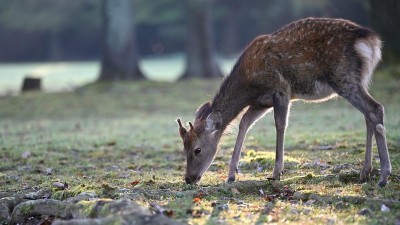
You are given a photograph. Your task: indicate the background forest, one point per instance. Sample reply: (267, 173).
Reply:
(51, 30)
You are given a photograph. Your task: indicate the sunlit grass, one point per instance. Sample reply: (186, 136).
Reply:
(102, 138)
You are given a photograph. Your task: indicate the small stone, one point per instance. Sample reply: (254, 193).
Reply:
(48, 171)
(294, 211)
(340, 205)
(384, 208)
(26, 168)
(223, 207)
(26, 154)
(307, 211)
(59, 185)
(123, 190)
(115, 168)
(331, 221)
(366, 212)
(337, 169)
(309, 202)
(89, 194)
(298, 195)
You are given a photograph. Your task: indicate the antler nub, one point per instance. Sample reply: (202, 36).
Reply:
(179, 122)
(191, 126)
(182, 130)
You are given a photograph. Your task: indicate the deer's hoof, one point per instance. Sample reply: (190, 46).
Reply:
(365, 175)
(382, 183)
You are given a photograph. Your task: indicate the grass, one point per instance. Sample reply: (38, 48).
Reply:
(109, 138)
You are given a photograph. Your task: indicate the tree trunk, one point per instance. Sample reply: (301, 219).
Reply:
(200, 52)
(120, 57)
(230, 41)
(384, 16)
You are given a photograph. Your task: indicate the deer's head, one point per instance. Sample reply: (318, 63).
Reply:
(200, 141)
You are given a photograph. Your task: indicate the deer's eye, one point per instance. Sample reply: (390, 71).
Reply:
(197, 151)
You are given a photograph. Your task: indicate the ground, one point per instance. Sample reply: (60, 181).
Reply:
(120, 140)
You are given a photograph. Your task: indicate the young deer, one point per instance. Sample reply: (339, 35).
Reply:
(312, 59)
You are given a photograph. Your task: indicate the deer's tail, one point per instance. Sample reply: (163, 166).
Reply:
(369, 49)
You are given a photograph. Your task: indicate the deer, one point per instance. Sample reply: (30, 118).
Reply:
(313, 60)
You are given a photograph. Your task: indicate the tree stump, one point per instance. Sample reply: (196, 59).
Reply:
(31, 84)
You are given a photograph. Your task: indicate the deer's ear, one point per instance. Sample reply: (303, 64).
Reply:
(182, 130)
(214, 122)
(203, 111)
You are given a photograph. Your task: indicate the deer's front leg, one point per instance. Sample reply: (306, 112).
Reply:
(281, 107)
(251, 115)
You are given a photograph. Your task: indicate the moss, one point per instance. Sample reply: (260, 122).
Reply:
(88, 208)
(26, 209)
(70, 192)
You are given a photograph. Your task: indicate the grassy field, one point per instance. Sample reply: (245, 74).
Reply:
(118, 139)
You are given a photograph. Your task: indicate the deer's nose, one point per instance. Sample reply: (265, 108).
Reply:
(192, 180)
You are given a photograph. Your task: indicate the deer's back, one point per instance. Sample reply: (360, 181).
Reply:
(303, 54)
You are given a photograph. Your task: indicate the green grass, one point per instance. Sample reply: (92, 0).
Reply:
(101, 138)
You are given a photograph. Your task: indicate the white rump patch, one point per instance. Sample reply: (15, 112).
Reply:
(370, 51)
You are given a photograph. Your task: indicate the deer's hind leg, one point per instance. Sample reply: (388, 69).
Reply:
(354, 92)
(367, 167)
(281, 104)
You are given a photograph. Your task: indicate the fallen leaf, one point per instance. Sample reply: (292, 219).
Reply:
(196, 200)
(169, 213)
(271, 197)
(199, 195)
(134, 183)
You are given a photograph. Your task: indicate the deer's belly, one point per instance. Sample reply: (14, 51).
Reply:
(316, 92)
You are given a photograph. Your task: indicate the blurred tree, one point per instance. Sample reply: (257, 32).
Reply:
(385, 19)
(120, 57)
(160, 26)
(200, 52)
(46, 26)
(231, 28)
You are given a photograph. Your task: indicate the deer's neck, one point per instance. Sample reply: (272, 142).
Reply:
(231, 99)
